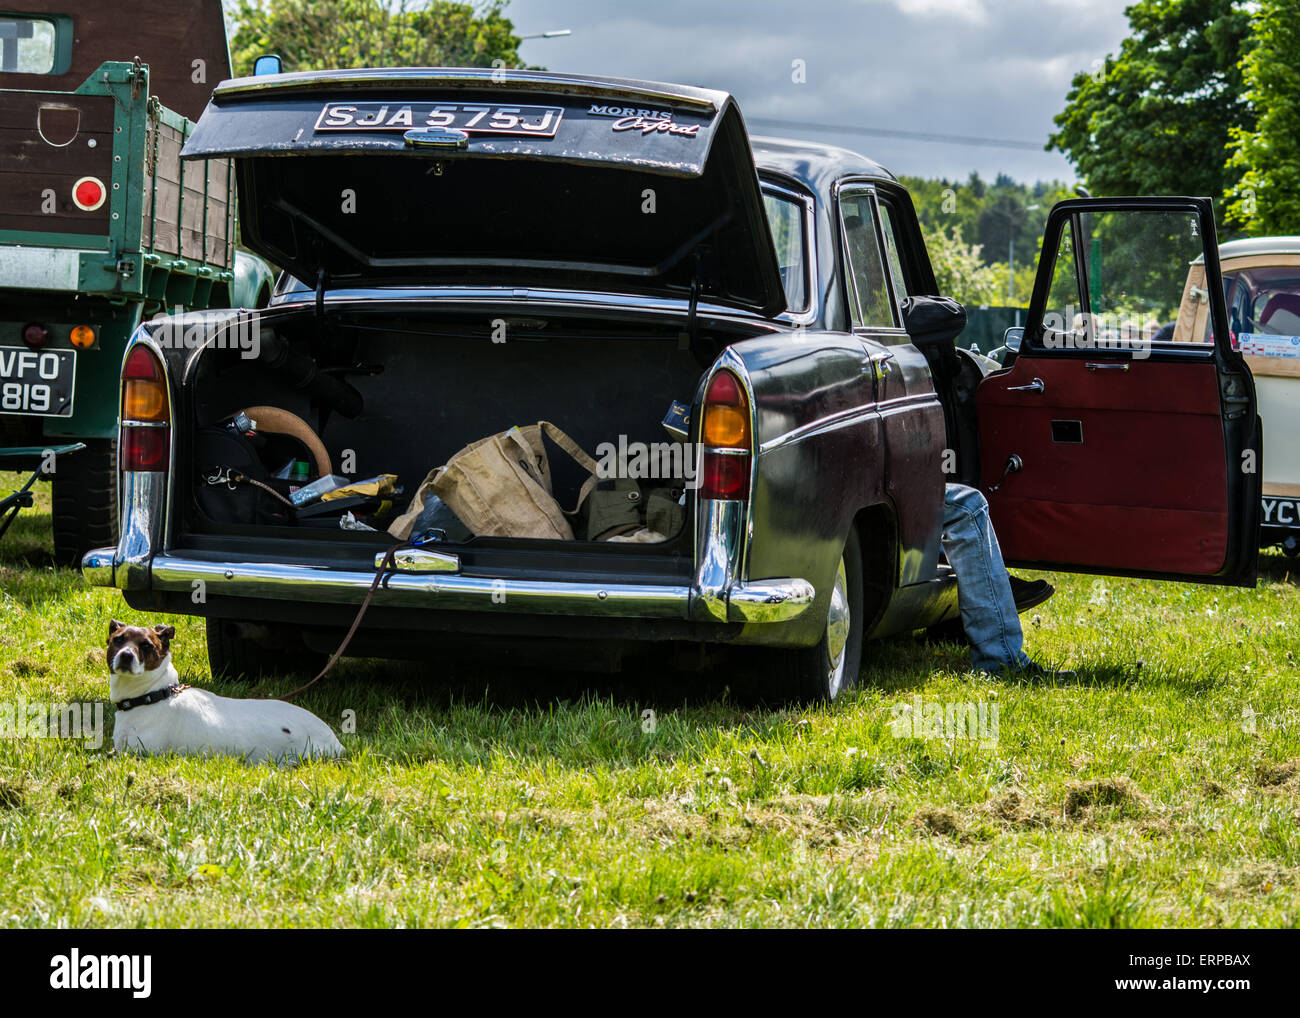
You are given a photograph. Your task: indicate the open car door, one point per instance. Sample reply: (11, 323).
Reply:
(1123, 437)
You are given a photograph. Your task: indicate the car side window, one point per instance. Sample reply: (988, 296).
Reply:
(785, 220)
(891, 251)
(869, 298)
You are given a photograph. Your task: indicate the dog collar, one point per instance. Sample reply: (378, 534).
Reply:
(132, 702)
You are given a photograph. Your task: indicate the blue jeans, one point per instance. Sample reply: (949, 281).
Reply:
(988, 611)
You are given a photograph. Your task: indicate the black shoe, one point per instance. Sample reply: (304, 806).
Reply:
(1034, 670)
(1029, 593)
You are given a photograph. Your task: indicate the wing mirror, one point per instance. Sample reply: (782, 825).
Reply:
(269, 64)
(1013, 337)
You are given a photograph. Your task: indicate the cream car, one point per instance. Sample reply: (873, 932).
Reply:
(1261, 278)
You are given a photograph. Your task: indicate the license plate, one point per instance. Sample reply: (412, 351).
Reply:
(36, 382)
(474, 118)
(1281, 512)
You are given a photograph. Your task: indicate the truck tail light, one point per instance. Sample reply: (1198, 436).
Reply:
(35, 335)
(88, 193)
(726, 435)
(146, 413)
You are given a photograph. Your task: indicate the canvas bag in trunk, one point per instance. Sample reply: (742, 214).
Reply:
(500, 486)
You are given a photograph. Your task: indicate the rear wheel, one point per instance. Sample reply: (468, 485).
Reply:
(824, 672)
(247, 651)
(85, 501)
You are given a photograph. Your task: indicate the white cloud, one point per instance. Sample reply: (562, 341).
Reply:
(966, 10)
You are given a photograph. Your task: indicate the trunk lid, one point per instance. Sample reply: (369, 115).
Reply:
(480, 177)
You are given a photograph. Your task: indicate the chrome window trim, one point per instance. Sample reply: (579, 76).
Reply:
(808, 314)
(840, 190)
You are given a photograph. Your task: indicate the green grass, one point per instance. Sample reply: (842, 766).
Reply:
(1159, 789)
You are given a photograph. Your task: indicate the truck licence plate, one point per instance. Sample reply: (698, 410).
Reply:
(36, 382)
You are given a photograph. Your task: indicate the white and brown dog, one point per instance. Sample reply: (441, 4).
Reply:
(157, 714)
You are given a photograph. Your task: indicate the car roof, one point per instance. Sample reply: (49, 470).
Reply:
(813, 164)
(1259, 246)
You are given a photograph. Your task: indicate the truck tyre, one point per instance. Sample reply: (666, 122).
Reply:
(85, 501)
(825, 671)
(247, 651)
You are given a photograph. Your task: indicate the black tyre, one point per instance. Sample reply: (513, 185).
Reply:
(825, 671)
(247, 651)
(85, 501)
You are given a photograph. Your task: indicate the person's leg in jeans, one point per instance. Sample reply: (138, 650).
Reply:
(988, 610)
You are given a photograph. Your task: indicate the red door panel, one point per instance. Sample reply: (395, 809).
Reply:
(1123, 465)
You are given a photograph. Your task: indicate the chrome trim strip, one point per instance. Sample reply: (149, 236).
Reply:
(718, 542)
(143, 502)
(775, 600)
(420, 560)
(515, 297)
(496, 79)
(831, 422)
(732, 361)
(159, 530)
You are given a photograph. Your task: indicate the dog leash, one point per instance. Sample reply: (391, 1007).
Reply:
(386, 568)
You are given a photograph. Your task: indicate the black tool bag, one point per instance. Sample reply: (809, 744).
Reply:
(234, 485)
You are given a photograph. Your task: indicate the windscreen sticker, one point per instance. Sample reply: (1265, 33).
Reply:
(1259, 344)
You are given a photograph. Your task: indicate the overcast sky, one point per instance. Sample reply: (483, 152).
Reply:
(995, 69)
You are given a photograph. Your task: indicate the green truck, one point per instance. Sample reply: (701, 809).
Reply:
(102, 226)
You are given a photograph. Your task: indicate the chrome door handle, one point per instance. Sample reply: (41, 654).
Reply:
(878, 365)
(1103, 366)
(1035, 386)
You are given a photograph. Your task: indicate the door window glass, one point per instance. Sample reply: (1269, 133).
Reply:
(1128, 279)
(868, 290)
(891, 252)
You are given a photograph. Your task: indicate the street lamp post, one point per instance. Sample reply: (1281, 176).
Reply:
(554, 33)
(1011, 251)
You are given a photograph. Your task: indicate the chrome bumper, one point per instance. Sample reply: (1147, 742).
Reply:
(769, 601)
(431, 579)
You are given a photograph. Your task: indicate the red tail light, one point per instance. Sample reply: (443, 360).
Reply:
(88, 193)
(36, 335)
(146, 413)
(727, 438)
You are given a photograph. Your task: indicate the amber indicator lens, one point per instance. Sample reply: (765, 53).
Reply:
(726, 414)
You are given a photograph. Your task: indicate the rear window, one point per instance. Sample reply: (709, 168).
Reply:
(27, 45)
(1264, 300)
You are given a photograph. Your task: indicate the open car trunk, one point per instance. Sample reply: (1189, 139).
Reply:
(400, 391)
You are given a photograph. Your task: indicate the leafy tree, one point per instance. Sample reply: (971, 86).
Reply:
(321, 34)
(959, 270)
(1267, 198)
(1155, 119)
